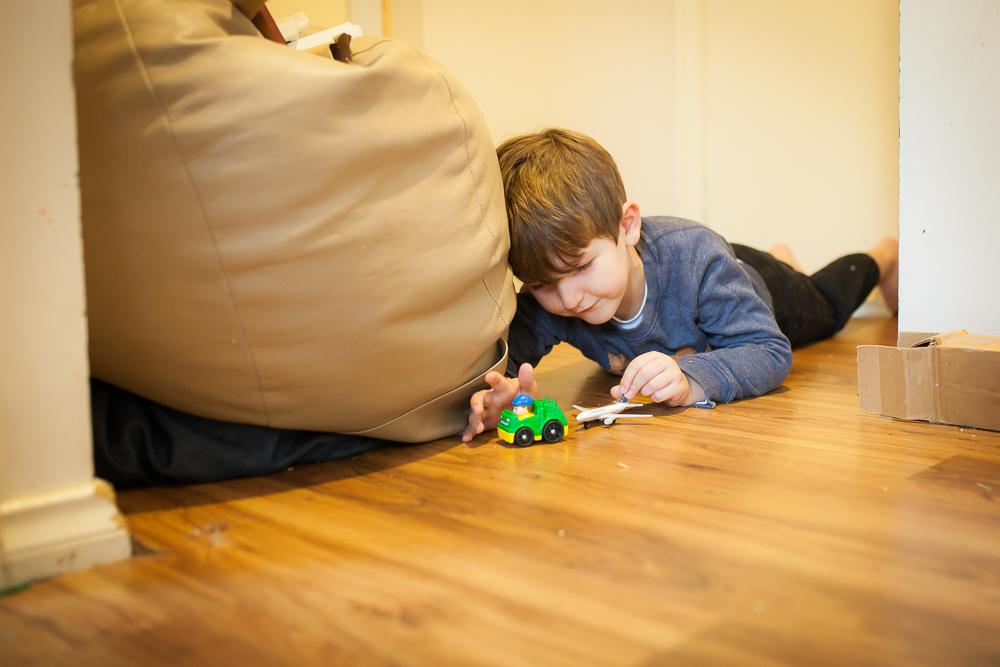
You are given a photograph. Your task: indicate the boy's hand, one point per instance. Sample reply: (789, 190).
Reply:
(658, 376)
(489, 403)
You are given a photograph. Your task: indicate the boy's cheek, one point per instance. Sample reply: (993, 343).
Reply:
(551, 303)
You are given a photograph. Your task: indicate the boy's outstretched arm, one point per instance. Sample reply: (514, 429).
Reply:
(486, 405)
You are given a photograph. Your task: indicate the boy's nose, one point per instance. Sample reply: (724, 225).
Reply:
(570, 297)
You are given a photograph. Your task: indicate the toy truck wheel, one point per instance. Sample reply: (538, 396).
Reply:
(524, 437)
(553, 431)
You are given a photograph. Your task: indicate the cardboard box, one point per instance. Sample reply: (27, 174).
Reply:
(951, 378)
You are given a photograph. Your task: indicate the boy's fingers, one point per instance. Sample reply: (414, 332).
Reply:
(526, 380)
(641, 374)
(479, 400)
(526, 373)
(497, 381)
(658, 391)
(628, 377)
(667, 387)
(469, 432)
(474, 428)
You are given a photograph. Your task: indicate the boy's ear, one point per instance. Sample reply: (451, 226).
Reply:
(631, 222)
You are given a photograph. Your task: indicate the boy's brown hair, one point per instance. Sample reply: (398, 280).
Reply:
(562, 191)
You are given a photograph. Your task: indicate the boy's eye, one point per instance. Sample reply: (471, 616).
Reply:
(535, 287)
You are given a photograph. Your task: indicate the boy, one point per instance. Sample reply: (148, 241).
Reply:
(684, 317)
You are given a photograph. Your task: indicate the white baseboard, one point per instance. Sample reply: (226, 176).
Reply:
(61, 531)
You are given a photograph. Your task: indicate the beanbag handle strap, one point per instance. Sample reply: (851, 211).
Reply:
(250, 7)
(261, 18)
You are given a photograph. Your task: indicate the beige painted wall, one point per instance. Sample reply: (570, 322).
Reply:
(801, 119)
(322, 14)
(769, 120)
(576, 64)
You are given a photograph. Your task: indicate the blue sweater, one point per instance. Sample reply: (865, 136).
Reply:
(701, 308)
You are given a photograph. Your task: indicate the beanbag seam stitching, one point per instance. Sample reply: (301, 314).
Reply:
(201, 204)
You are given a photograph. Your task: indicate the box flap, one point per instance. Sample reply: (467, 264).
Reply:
(960, 338)
(937, 339)
(911, 338)
(972, 342)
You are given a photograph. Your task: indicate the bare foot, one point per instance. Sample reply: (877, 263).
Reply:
(886, 255)
(784, 253)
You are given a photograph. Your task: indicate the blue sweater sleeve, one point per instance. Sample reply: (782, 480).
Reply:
(748, 354)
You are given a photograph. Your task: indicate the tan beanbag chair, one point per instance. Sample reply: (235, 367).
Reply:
(273, 237)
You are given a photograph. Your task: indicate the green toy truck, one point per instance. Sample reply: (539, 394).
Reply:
(543, 421)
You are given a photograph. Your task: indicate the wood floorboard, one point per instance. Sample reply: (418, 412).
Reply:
(789, 529)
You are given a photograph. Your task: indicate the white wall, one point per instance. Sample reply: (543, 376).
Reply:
(44, 392)
(949, 166)
(771, 121)
(53, 515)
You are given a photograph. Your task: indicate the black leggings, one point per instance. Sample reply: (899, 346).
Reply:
(140, 443)
(811, 308)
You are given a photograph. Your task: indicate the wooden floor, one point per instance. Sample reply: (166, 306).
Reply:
(790, 529)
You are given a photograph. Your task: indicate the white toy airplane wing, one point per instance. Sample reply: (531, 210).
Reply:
(607, 413)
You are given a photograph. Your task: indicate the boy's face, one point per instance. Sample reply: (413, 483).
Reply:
(598, 288)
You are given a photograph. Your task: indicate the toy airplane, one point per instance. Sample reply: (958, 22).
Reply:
(607, 413)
